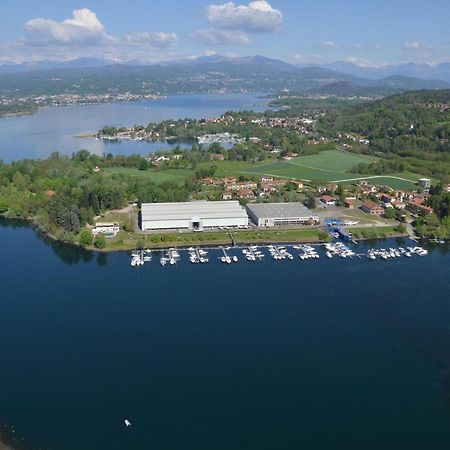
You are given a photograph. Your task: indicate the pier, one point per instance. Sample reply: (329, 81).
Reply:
(252, 253)
(278, 253)
(226, 258)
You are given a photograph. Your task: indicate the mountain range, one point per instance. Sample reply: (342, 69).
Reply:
(417, 70)
(216, 73)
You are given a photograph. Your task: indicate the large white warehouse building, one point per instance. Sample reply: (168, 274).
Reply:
(281, 214)
(192, 215)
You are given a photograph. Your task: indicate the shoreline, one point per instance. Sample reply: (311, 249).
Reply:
(10, 441)
(222, 238)
(143, 99)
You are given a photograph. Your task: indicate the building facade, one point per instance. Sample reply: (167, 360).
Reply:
(372, 208)
(195, 216)
(424, 183)
(281, 214)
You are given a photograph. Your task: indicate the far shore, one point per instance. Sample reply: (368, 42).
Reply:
(94, 135)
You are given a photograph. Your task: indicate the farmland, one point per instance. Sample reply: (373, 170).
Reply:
(328, 166)
(325, 166)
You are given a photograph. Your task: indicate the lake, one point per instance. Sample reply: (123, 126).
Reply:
(321, 354)
(55, 129)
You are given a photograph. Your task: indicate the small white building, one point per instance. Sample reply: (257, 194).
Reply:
(424, 183)
(194, 216)
(106, 228)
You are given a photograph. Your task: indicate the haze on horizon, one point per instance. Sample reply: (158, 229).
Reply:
(368, 34)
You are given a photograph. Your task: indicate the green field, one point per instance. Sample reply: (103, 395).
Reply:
(325, 166)
(328, 166)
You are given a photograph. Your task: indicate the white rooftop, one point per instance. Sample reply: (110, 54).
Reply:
(279, 210)
(188, 210)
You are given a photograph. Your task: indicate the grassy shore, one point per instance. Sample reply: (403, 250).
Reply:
(130, 241)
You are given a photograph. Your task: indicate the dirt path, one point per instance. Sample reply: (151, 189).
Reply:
(372, 178)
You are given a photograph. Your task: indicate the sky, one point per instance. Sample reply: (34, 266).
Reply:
(369, 33)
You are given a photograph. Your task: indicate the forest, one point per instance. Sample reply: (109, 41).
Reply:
(63, 194)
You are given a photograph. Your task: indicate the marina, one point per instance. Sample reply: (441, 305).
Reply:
(252, 253)
(277, 252)
(171, 257)
(225, 258)
(197, 256)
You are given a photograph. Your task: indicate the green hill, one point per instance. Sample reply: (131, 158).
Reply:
(414, 126)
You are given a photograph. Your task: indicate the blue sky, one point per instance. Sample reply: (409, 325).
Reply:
(366, 32)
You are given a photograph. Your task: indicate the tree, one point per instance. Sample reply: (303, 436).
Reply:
(100, 241)
(143, 165)
(389, 213)
(340, 195)
(86, 238)
(401, 228)
(310, 202)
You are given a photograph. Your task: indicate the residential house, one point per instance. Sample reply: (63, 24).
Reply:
(242, 185)
(417, 206)
(246, 194)
(349, 204)
(386, 199)
(328, 200)
(372, 208)
(367, 189)
(398, 204)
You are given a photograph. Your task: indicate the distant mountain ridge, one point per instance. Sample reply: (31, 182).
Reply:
(423, 71)
(205, 74)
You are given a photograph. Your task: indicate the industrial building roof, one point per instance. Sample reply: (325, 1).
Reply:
(189, 210)
(279, 210)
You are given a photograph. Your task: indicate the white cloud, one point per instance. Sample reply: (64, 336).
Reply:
(300, 58)
(363, 62)
(256, 17)
(328, 45)
(414, 46)
(84, 35)
(212, 36)
(156, 39)
(203, 54)
(83, 28)
(357, 61)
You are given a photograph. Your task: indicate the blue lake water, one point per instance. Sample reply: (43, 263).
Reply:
(55, 129)
(321, 354)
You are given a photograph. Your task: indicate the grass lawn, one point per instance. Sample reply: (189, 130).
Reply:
(120, 217)
(374, 232)
(267, 236)
(129, 241)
